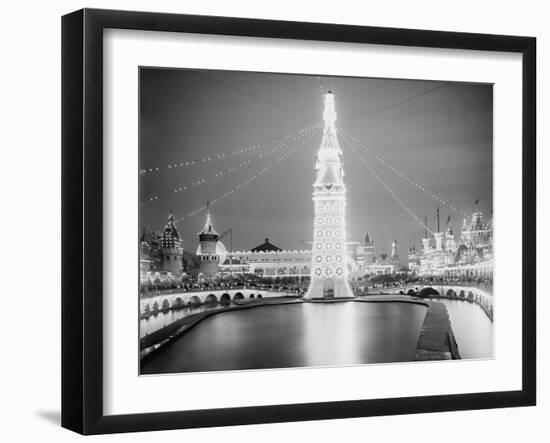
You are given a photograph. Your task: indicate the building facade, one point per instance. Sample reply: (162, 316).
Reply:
(444, 256)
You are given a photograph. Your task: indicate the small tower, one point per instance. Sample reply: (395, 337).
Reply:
(426, 244)
(438, 236)
(450, 243)
(208, 257)
(395, 260)
(426, 241)
(394, 254)
(369, 250)
(171, 248)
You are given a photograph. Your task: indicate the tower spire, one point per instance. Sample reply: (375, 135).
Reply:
(329, 267)
(208, 227)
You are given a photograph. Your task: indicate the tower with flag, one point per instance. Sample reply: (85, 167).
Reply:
(329, 271)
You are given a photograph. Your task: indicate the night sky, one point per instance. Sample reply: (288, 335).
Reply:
(438, 134)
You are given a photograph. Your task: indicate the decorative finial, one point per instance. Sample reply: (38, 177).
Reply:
(208, 227)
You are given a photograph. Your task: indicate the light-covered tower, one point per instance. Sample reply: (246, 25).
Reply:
(171, 248)
(208, 256)
(329, 272)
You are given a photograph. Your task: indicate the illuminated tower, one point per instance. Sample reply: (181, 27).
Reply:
(329, 272)
(208, 256)
(171, 248)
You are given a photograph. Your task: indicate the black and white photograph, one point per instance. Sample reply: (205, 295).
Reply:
(293, 221)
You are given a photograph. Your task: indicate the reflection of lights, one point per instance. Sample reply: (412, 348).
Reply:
(320, 220)
(319, 245)
(318, 271)
(329, 245)
(319, 233)
(328, 258)
(319, 259)
(338, 258)
(338, 246)
(328, 233)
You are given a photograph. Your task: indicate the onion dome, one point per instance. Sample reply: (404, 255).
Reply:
(170, 236)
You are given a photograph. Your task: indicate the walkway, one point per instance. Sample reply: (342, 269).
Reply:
(437, 340)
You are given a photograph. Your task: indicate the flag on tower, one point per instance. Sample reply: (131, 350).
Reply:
(477, 201)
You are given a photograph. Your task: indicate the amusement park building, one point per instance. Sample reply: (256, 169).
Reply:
(441, 255)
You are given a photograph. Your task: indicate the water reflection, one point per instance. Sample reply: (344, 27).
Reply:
(161, 319)
(472, 328)
(295, 335)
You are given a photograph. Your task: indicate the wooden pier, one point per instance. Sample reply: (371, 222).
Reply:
(436, 340)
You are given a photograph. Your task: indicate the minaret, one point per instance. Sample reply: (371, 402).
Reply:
(208, 257)
(329, 272)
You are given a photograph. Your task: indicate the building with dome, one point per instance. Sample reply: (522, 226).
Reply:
(268, 260)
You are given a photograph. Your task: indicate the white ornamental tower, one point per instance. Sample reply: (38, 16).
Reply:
(329, 272)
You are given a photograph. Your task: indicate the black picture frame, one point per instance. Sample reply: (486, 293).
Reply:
(82, 219)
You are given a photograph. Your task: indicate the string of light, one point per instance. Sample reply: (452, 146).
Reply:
(247, 181)
(227, 171)
(240, 91)
(401, 102)
(351, 139)
(387, 188)
(321, 87)
(222, 155)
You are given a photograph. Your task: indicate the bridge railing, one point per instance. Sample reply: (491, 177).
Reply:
(156, 293)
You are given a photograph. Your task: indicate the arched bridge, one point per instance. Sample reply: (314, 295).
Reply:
(179, 299)
(482, 296)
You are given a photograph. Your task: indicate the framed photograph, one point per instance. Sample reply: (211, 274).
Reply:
(269, 221)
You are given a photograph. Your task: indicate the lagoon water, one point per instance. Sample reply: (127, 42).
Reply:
(295, 335)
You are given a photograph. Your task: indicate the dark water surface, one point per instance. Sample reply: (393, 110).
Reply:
(296, 335)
